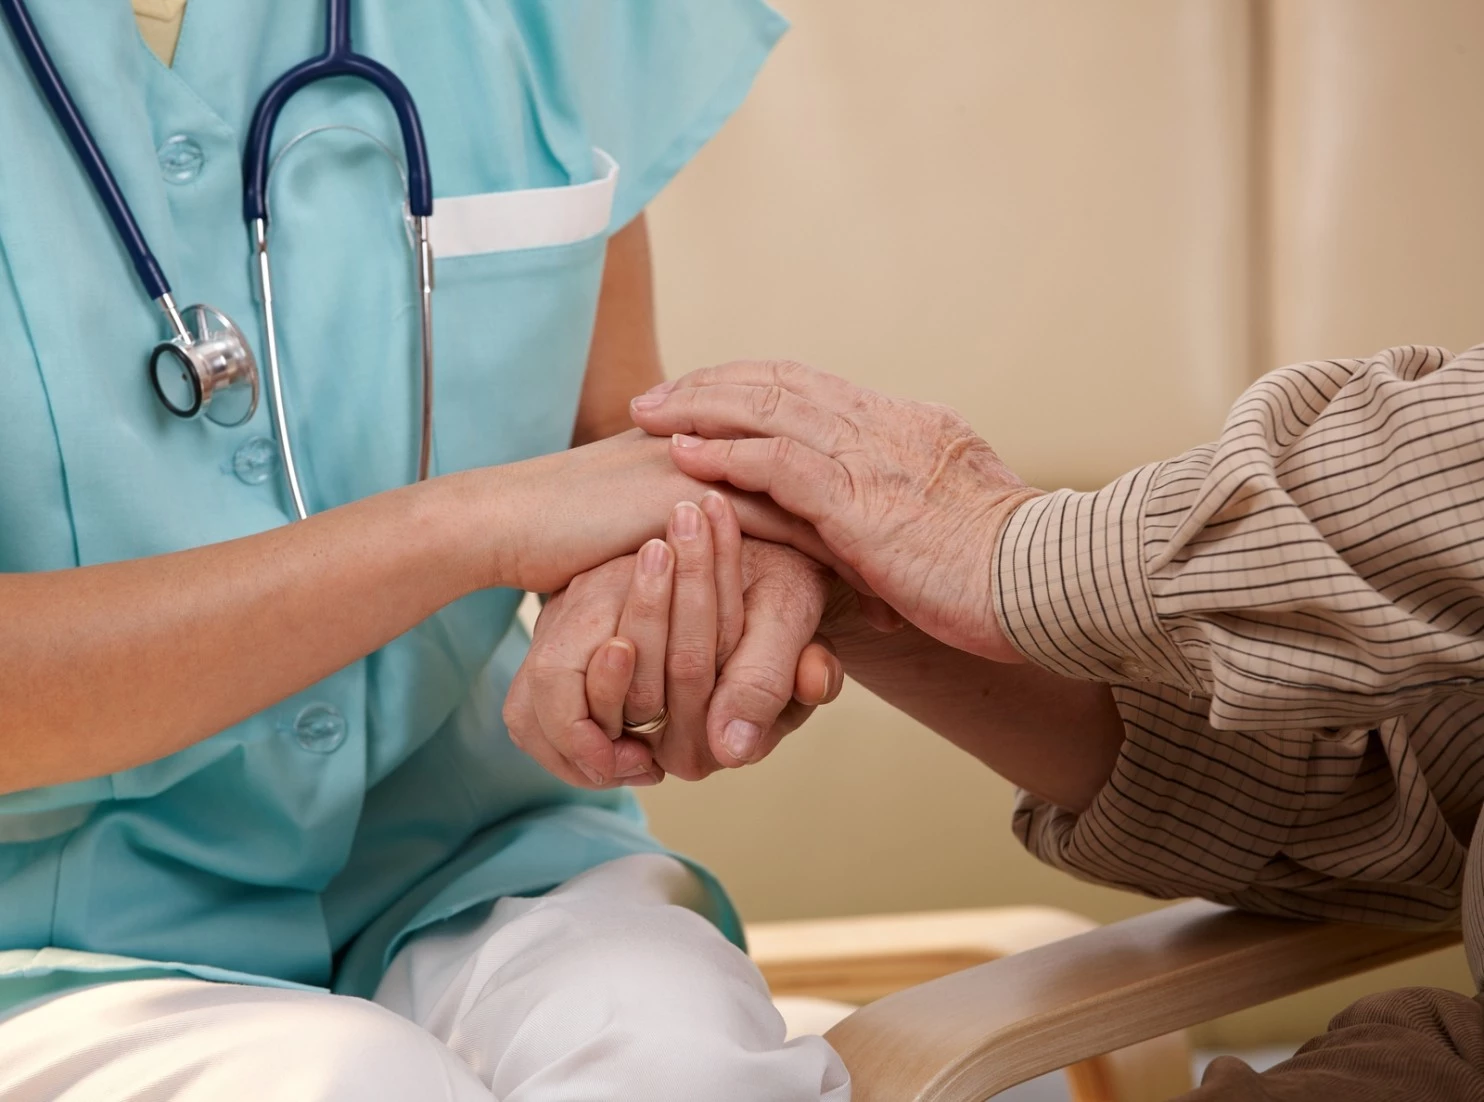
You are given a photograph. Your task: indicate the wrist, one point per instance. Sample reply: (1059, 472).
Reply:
(465, 513)
(996, 644)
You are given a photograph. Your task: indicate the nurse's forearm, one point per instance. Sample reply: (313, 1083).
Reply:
(107, 667)
(1054, 737)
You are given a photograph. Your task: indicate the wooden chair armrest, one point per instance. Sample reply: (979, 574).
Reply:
(968, 1036)
(858, 958)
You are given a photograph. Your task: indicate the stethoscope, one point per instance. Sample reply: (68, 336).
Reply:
(206, 367)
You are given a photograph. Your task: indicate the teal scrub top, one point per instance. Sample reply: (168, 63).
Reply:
(305, 845)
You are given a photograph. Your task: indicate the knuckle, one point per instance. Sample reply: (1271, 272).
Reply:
(765, 402)
(543, 657)
(695, 562)
(643, 701)
(515, 727)
(649, 603)
(787, 371)
(690, 665)
(759, 686)
(543, 679)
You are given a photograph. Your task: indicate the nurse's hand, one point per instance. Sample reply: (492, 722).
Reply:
(543, 521)
(715, 628)
(902, 492)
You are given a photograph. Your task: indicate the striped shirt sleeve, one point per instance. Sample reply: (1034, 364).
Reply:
(1293, 621)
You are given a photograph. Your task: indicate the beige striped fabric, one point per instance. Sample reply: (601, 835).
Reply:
(1293, 622)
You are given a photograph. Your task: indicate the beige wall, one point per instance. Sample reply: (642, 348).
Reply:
(1085, 226)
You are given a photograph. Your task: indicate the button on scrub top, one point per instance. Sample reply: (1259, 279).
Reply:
(303, 846)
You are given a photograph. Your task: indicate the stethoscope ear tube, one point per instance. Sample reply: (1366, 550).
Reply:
(206, 366)
(55, 90)
(338, 60)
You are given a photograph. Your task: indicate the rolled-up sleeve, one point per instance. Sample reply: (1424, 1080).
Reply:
(1293, 622)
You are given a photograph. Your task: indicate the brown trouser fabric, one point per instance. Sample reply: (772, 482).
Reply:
(1416, 1044)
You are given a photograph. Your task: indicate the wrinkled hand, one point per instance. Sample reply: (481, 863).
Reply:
(715, 627)
(902, 492)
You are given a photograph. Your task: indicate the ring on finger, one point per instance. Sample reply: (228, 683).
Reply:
(652, 726)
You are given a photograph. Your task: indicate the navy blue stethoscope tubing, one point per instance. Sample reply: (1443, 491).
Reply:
(337, 60)
(93, 162)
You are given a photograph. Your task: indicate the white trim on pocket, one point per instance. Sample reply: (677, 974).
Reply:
(503, 221)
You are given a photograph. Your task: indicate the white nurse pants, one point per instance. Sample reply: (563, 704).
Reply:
(606, 989)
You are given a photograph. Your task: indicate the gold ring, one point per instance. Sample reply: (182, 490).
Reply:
(653, 726)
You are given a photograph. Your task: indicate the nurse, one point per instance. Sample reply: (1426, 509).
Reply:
(262, 834)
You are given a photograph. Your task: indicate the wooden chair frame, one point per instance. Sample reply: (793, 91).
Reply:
(1083, 1002)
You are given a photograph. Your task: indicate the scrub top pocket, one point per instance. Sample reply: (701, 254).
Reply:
(518, 275)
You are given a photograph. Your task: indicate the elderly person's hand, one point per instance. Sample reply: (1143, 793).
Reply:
(706, 627)
(902, 492)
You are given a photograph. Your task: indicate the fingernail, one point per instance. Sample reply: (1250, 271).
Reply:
(662, 388)
(644, 780)
(590, 773)
(636, 771)
(647, 401)
(616, 657)
(714, 506)
(687, 521)
(680, 440)
(741, 738)
(653, 557)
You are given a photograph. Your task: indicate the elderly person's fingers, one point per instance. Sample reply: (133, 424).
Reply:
(819, 676)
(547, 709)
(726, 540)
(817, 682)
(609, 674)
(646, 622)
(830, 391)
(571, 748)
(756, 687)
(608, 677)
(765, 519)
(805, 482)
(903, 493)
(727, 410)
(690, 653)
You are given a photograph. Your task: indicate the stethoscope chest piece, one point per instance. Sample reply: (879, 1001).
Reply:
(206, 368)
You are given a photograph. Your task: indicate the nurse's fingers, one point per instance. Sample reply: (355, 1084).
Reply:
(646, 623)
(800, 479)
(690, 654)
(726, 540)
(727, 411)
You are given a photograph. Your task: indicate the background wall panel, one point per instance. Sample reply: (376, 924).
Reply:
(1087, 226)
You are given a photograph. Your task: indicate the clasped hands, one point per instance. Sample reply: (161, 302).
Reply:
(720, 640)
